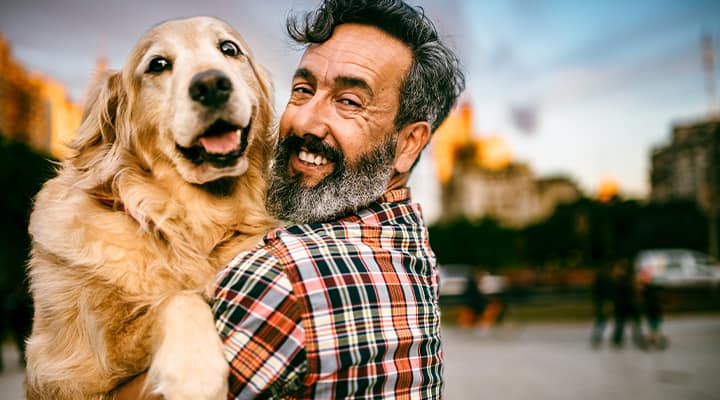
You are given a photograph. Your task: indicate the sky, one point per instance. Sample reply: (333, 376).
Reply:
(584, 89)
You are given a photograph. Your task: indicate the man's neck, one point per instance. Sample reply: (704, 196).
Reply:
(398, 181)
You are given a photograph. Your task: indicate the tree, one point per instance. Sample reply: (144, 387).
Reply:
(22, 173)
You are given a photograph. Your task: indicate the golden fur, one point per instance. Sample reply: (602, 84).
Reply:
(117, 285)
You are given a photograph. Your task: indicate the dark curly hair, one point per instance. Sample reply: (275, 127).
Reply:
(434, 81)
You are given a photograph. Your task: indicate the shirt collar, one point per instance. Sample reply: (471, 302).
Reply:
(395, 196)
(370, 215)
(391, 205)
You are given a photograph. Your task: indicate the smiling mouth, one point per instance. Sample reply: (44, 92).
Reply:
(221, 145)
(311, 158)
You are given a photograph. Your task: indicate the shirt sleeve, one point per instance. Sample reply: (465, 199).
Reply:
(260, 323)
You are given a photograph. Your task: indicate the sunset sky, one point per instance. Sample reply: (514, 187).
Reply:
(578, 88)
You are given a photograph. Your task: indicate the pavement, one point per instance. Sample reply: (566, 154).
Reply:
(553, 361)
(557, 362)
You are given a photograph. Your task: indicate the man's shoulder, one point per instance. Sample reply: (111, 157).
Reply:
(281, 247)
(378, 219)
(300, 237)
(256, 262)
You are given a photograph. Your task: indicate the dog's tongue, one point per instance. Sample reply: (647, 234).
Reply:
(222, 144)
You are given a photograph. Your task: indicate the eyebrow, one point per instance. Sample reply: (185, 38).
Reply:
(342, 82)
(305, 73)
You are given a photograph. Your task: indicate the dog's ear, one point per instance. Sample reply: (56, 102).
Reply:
(266, 84)
(97, 130)
(266, 116)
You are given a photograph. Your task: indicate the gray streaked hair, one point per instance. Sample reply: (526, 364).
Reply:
(434, 80)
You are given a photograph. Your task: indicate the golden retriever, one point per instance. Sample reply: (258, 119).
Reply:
(164, 185)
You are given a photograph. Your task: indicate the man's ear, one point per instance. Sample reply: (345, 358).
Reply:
(412, 139)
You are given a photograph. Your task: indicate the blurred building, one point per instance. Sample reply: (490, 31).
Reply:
(34, 109)
(513, 195)
(479, 178)
(689, 167)
(553, 191)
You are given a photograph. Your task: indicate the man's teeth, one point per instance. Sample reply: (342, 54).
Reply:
(312, 158)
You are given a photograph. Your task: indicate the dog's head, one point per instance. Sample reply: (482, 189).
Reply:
(189, 94)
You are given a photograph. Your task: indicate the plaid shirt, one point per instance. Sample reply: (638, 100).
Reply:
(340, 310)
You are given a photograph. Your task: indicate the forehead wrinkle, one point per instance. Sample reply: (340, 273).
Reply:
(345, 67)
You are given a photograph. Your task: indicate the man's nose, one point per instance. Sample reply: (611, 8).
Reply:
(312, 118)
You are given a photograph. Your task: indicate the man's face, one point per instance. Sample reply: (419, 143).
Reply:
(337, 134)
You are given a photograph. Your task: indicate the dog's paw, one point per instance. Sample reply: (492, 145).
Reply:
(206, 379)
(188, 362)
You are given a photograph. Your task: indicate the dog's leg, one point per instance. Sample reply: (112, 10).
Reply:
(188, 361)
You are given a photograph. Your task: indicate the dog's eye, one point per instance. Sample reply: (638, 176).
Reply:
(230, 49)
(158, 65)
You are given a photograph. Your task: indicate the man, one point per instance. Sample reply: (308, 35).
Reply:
(625, 304)
(344, 304)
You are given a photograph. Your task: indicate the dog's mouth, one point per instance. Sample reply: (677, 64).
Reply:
(222, 144)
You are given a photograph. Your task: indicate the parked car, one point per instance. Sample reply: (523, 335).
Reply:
(454, 279)
(677, 267)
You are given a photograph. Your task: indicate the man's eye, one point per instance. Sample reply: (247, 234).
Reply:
(302, 90)
(230, 49)
(349, 102)
(158, 65)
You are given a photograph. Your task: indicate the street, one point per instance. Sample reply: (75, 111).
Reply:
(554, 361)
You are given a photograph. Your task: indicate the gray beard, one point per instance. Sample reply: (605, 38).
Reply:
(349, 188)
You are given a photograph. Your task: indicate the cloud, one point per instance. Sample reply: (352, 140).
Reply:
(664, 69)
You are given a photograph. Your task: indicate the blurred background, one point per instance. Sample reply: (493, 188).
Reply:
(572, 195)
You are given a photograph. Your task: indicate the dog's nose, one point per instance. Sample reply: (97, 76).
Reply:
(210, 88)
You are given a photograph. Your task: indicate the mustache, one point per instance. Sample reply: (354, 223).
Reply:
(349, 187)
(294, 143)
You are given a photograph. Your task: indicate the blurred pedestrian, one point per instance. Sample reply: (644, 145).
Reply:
(601, 295)
(483, 302)
(625, 304)
(652, 309)
(473, 302)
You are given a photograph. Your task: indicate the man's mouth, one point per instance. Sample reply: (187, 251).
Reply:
(221, 145)
(311, 158)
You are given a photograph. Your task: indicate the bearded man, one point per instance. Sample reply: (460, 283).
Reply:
(342, 303)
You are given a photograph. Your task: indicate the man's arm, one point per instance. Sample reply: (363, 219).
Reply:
(259, 320)
(260, 323)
